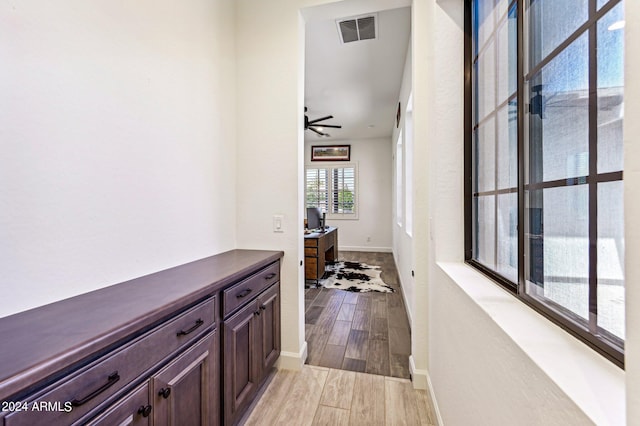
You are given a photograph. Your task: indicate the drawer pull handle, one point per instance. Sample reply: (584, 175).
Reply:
(257, 313)
(271, 275)
(192, 329)
(262, 308)
(145, 410)
(243, 293)
(165, 392)
(111, 380)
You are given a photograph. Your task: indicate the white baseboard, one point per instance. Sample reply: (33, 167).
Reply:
(292, 360)
(421, 380)
(366, 248)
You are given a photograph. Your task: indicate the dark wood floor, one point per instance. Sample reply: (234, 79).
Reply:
(364, 332)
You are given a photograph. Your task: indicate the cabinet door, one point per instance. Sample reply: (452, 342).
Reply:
(185, 391)
(132, 410)
(241, 361)
(269, 305)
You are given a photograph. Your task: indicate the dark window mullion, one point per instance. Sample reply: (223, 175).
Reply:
(520, 151)
(593, 17)
(496, 192)
(532, 156)
(593, 170)
(494, 113)
(496, 132)
(496, 21)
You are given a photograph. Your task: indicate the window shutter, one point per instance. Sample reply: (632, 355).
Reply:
(317, 189)
(344, 190)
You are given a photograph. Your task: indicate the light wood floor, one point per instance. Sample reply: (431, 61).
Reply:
(324, 396)
(362, 332)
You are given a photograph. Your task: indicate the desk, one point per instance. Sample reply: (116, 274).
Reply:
(319, 247)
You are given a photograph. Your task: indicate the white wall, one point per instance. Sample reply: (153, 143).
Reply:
(403, 242)
(270, 53)
(482, 371)
(632, 208)
(371, 231)
(269, 48)
(117, 129)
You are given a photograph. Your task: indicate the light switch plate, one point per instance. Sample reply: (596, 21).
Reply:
(278, 223)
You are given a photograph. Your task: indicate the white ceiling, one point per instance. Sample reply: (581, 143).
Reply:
(358, 82)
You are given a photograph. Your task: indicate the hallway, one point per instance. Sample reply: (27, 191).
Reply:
(323, 396)
(361, 332)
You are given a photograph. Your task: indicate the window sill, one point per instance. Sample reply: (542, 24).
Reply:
(593, 383)
(349, 216)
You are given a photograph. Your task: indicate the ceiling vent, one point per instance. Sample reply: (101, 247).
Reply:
(354, 29)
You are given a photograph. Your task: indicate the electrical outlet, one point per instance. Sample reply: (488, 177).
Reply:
(368, 239)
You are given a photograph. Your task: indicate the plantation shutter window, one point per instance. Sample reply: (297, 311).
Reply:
(317, 189)
(333, 190)
(344, 181)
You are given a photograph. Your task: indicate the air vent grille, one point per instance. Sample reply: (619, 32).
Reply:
(349, 31)
(363, 28)
(367, 28)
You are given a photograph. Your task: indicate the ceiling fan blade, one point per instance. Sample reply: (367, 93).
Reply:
(320, 119)
(317, 131)
(332, 126)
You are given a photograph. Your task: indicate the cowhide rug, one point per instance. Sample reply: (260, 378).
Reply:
(354, 276)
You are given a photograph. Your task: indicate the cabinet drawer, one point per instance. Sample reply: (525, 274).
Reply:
(237, 295)
(133, 409)
(311, 268)
(94, 384)
(311, 251)
(311, 242)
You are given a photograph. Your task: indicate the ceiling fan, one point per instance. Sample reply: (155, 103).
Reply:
(316, 126)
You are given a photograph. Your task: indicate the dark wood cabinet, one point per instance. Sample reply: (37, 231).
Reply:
(185, 391)
(132, 410)
(269, 305)
(251, 348)
(241, 375)
(148, 351)
(91, 389)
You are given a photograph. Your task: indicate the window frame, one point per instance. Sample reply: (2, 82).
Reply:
(399, 179)
(605, 346)
(408, 166)
(329, 168)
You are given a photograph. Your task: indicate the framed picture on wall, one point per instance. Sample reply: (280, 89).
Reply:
(331, 153)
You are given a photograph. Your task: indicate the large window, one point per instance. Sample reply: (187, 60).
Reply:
(544, 155)
(408, 167)
(399, 180)
(333, 190)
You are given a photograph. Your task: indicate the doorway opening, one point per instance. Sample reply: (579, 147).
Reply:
(356, 59)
